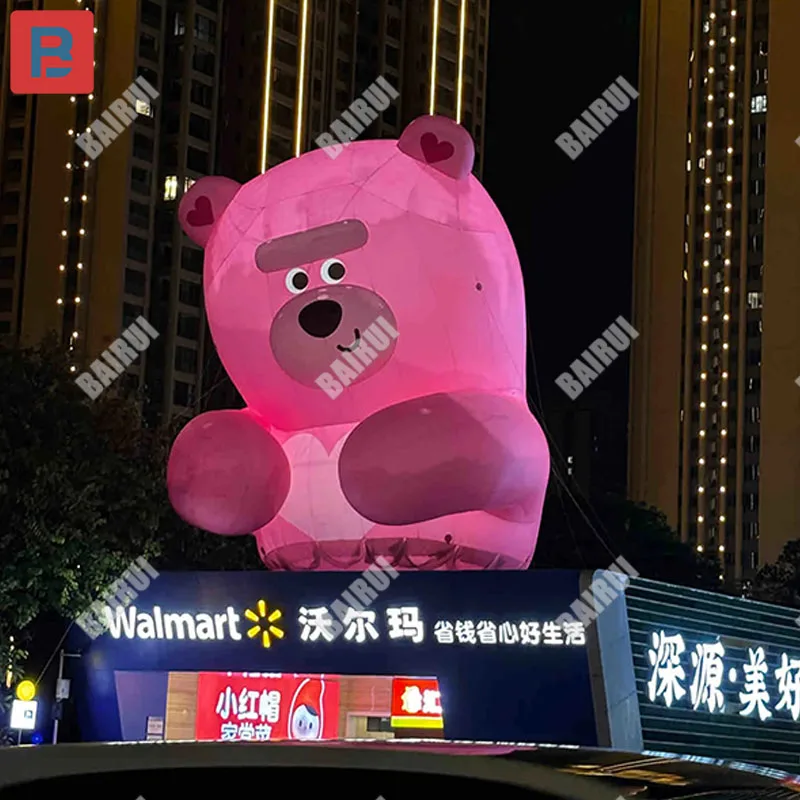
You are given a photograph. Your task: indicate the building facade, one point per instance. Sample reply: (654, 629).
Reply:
(87, 246)
(714, 426)
(509, 656)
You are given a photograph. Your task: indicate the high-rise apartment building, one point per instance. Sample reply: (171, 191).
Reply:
(321, 54)
(86, 246)
(715, 410)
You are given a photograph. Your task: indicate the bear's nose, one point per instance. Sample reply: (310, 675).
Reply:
(320, 318)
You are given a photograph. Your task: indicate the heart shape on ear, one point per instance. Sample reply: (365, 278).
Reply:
(434, 150)
(439, 143)
(203, 205)
(202, 214)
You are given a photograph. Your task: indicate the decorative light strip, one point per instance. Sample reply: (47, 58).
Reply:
(727, 275)
(79, 282)
(267, 84)
(301, 78)
(62, 267)
(462, 38)
(434, 56)
(708, 167)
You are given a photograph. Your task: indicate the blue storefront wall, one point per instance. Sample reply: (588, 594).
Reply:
(499, 692)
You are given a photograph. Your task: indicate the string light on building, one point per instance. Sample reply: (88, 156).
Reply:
(69, 197)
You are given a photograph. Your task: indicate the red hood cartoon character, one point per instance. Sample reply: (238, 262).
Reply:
(306, 715)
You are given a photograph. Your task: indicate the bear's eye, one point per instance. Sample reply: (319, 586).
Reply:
(297, 280)
(332, 271)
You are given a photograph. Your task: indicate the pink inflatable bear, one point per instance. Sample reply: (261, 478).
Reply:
(370, 311)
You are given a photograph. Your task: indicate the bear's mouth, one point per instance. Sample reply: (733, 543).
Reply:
(353, 346)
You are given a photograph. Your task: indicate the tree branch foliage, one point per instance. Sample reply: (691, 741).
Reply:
(780, 582)
(82, 494)
(619, 527)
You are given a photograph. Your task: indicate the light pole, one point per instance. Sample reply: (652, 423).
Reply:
(61, 656)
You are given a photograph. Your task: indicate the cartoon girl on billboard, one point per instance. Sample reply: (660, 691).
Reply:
(306, 715)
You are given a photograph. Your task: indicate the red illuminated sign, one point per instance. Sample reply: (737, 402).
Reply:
(246, 707)
(416, 703)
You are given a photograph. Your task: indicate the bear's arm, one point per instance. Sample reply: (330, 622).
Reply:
(227, 473)
(446, 454)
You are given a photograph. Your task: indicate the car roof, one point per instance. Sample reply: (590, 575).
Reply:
(625, 769)
(666, 776)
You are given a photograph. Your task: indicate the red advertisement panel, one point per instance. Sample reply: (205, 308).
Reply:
(248, 707)
(416, 703)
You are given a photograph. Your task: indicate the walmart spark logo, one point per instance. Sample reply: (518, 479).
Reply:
(263, 623)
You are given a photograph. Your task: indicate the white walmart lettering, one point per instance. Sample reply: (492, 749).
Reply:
(130, 623)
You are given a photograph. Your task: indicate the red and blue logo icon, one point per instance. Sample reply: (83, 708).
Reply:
(52, 52)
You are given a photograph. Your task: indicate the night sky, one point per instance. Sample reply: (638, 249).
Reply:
(572, 221)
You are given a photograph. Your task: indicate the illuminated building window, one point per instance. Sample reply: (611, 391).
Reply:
(170, 187)
(755, 299)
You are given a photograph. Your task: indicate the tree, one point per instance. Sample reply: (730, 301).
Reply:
(82, 494)
(779, 583)
(619, 527)
(76, 500)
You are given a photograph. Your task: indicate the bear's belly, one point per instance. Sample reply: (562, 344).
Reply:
(318, 529)
(316, 493)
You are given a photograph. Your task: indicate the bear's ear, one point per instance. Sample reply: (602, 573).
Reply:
(203, 204)
(441, 143)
